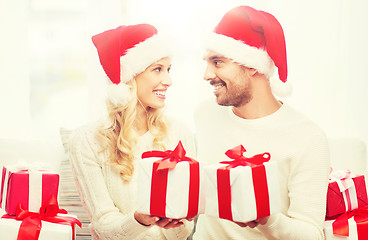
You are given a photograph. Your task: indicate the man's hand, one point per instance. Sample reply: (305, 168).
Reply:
(253, 224)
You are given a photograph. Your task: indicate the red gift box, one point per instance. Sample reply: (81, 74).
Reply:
(30, 188)
(345, 193)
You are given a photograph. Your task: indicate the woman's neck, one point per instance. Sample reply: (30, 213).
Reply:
(141, 120)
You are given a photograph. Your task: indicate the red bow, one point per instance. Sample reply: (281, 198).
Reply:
(341, 225)
(239, 160)
(31, 221)
(169, 158)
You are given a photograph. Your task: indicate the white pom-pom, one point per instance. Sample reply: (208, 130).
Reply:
(118, 94)
(281, 89)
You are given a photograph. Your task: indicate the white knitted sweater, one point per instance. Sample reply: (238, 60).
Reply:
(109, 202)
(300, 148)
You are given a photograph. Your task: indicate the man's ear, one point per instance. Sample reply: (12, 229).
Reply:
(253, 71)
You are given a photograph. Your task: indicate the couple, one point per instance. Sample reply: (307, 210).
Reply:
(245, 48)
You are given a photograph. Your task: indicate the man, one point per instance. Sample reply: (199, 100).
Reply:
(246, 46)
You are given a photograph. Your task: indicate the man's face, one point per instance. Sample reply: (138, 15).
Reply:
(229, 79)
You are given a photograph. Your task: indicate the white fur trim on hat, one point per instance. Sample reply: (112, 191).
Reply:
(241, 53)
(142, 55)
(118, 94)
(281, 89)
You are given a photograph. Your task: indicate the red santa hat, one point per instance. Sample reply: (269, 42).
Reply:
(254, 39)
(126, 51)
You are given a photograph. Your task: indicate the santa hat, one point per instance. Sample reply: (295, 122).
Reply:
(254, 39)
(126, 51)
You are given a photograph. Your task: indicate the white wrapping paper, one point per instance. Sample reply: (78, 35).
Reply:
(177, 188)
(49, 231)
(243, 202)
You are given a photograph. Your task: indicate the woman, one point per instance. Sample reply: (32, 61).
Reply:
(104, 155)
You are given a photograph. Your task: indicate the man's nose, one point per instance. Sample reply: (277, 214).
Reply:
(209, 74)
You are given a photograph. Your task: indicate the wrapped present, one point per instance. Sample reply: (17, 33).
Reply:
(9, 230)
(29, 187)
(49, 222)
(168, 184)
(346, 192)
(244, 189)
(349, 226)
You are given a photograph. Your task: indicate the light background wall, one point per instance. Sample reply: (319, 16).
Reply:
(50, 76)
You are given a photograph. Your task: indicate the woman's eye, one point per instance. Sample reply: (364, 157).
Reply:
(158, 69)
(168, 70)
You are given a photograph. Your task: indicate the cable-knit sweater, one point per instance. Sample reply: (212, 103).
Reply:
(109, 202)
(301, 150)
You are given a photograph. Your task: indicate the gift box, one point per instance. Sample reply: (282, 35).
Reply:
(244, 189)
(29, 187)
(346, 192)
(9, 229)
(49, 222)
(348, 226)
(168, 184)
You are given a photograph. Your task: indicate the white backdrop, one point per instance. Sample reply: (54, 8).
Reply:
(326, 47)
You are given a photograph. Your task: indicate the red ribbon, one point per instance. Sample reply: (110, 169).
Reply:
(159, 179)
(341, 225)
(31, 221)
(259, 182)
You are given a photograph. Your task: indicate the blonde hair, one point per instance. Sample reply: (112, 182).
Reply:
(119, 137)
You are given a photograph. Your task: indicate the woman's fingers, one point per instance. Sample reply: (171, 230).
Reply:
(168, 223)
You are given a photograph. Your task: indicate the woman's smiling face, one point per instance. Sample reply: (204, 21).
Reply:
(153, 83)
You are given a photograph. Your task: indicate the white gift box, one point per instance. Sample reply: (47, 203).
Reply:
(9, 230)
(353, 234)
(177, 192)
(243, 200)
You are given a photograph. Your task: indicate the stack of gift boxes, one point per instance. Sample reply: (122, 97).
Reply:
(241, 189)
(347, 207)
(29, 208)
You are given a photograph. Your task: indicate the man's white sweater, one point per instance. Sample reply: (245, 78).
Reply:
(301, 150)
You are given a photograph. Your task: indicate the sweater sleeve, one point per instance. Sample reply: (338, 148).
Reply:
(307, 186)
(107, 220)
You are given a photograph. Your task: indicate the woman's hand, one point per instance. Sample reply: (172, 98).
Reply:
(148, 220)
(253, 224)
(144, 219)
(168, 223)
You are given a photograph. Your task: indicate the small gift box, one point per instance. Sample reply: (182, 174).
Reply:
(244, 189)
(29, 187)
(346, 192)
(168, 184)
(49, 222)
(348, 226)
